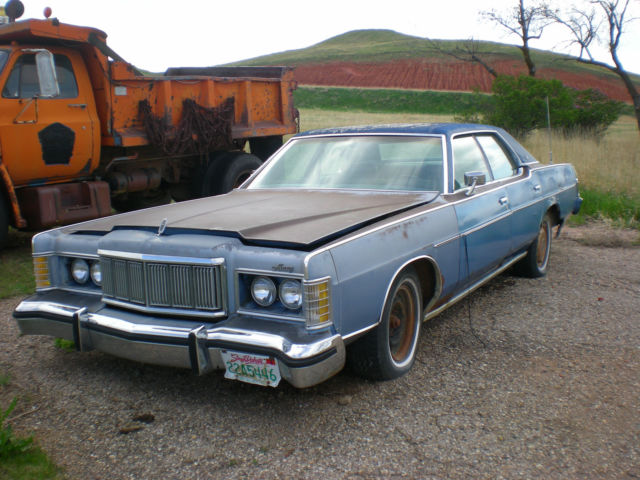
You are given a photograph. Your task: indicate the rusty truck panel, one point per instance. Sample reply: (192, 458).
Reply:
(261, 106)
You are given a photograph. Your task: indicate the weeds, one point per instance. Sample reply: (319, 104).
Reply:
(9, 444)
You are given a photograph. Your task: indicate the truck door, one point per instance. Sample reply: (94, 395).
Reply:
(48, 140)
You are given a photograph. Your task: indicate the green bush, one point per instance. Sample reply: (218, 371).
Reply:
(520, 107)
(9, 444)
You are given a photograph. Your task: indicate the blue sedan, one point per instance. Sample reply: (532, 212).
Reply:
(334, 251)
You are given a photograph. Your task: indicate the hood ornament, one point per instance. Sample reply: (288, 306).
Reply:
(162, 227)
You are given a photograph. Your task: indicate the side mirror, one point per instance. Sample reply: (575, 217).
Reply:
(47, 74)
(472, 180)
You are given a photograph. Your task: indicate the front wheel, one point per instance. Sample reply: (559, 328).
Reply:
(536, 263)
(389, 350)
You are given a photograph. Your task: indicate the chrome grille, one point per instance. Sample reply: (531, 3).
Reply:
(185, 286)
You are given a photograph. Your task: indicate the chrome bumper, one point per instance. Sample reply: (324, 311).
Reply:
(305, 358)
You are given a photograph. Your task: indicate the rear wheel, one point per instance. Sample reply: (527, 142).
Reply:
(536, 262)
(4, 221)
(389, 351)
(237, 170)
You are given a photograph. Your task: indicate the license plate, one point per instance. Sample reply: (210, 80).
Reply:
(250, 368)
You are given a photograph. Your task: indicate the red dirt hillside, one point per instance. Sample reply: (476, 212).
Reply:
(434, 75)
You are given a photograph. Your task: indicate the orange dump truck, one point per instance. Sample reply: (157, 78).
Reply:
(82, 131)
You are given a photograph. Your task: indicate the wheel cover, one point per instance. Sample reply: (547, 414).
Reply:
(402, 323)
(542, 252)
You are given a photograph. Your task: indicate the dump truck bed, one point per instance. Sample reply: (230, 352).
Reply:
(262, 102)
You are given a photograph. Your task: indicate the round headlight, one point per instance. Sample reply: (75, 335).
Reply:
(80, 271)
(291, 294)
(96, 273)
(263, 291)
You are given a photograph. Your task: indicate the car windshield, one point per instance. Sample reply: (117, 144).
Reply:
(378, 162)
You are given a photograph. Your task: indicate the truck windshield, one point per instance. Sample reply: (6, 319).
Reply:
(369, 162)
(4, 56)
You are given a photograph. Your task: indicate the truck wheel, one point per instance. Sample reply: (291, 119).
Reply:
(139, 200)
(4, 222)
(264, 147)
(389, 350)
(237, 170)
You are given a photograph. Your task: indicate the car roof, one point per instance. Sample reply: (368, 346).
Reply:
(412, 129)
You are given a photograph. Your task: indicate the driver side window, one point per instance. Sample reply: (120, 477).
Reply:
(467, 157)
(23, 79)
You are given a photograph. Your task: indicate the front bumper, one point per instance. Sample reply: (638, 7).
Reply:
(304, 358)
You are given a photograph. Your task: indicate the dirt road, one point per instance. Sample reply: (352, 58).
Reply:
(526, 379)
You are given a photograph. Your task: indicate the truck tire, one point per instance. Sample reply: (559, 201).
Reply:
(139, 200)
(207, 177)
(4, 221)
(238, 168)
(264, 147)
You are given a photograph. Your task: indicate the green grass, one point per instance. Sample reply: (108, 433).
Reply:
(20, 457)
(622, 208)
(65, 345)
(34, 464)
(388, 100)
(16, 266)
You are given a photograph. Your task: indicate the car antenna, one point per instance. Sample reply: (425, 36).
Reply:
(549, 130)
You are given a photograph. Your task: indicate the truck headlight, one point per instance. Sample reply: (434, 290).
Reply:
(80, 271)
(263, 291)
(290, 292)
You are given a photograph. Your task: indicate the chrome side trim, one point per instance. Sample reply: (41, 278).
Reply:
(486, 224)
(448, 240)
(473, 287)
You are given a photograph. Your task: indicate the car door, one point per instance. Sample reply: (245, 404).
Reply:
(47, 140)
(484, 218)
(523, 191)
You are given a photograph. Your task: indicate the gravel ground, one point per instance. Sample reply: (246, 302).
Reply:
(525, 379)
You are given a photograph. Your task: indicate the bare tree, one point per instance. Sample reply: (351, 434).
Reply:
(525, 22)
(607, 18)
(466, 51)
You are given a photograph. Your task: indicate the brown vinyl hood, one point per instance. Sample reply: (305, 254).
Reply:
(289, 217)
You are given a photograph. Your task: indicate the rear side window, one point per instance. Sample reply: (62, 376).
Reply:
(501, 165)
(23, 79)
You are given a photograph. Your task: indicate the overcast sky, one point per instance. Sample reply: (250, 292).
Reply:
(158, 34)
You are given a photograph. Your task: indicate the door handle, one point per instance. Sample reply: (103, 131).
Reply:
(537, 188)
(77, 105)
(503, 200)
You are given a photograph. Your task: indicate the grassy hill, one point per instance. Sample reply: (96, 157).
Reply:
(358, 59)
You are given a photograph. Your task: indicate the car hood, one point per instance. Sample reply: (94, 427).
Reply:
(294, 218)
